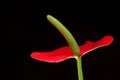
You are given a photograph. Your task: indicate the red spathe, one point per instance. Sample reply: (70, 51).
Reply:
(64, 53)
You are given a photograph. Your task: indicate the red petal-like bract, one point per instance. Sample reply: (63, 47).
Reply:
(64, 53)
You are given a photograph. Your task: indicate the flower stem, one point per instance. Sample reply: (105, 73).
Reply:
(79, 67)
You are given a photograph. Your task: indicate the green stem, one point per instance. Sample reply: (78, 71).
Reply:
(79, 67)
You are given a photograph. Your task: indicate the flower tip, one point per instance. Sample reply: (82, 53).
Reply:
(48, 16)
(107, 40)
(34, 55)
(38, 55)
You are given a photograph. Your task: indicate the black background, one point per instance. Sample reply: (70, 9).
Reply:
(30, 31)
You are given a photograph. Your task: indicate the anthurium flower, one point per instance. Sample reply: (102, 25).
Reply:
(64, 53)
(73, 50)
